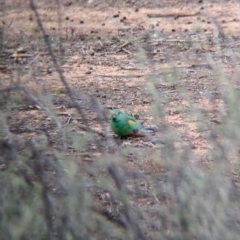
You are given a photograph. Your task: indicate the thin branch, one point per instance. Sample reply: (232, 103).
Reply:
(56, 65)
(175, 15)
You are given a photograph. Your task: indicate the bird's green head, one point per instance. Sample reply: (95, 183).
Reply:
(115, 114)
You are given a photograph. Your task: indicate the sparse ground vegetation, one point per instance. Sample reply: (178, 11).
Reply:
(66, 64)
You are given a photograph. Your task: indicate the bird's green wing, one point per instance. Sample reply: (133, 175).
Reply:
(123, 124)
(133, 123)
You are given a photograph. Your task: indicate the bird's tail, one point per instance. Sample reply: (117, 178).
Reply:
(150, 129)
(147, 131)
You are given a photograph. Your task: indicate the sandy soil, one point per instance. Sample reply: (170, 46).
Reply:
(117, 54)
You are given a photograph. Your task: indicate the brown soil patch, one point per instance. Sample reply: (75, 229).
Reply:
(117, 54)
(100, 53)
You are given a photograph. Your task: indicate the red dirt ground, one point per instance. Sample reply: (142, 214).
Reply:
(145, 58)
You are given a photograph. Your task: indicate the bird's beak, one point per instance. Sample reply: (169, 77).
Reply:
(113, 115)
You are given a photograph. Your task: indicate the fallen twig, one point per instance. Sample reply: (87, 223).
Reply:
(129, 68)
(33, 60)
(129, 75)
(175, 15)
(69, 119)
(158, 42)
(161, 72)
(84, 128)
(124, 45)
(128, 52)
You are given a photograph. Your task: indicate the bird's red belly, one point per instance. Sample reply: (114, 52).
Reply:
(134, 134)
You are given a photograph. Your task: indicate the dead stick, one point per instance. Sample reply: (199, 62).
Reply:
(124, 45)
(175, 15)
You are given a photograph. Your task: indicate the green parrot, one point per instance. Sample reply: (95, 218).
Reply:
(125, 125)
